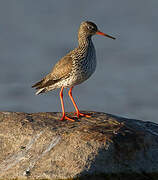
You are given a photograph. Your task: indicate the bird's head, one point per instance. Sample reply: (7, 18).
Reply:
(88, 28)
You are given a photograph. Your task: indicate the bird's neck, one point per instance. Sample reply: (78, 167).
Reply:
(84, 41)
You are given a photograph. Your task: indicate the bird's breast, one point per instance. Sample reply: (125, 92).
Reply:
(85, 66)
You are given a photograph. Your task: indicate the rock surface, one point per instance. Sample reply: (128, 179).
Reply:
(105, 146)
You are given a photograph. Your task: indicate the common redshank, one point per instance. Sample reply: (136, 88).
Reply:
(74, 68)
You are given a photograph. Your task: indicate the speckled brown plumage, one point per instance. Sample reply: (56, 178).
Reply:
(74, 68)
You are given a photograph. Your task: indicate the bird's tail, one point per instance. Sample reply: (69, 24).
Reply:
(39, 87)
(38, 84)
(40, 91)
(45, 84)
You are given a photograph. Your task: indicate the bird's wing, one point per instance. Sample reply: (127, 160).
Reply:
(61, 70)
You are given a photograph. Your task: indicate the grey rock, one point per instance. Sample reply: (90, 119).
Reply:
(105, 146)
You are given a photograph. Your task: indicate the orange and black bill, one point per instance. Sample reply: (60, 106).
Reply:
(103, 34)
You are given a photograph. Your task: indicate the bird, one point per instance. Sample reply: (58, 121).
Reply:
(74, 68)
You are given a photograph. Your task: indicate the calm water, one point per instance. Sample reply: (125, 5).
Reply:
(34, 35)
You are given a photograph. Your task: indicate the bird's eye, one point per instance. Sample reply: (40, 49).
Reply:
(91, 28)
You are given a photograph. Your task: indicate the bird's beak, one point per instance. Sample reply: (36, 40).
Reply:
(103, 34)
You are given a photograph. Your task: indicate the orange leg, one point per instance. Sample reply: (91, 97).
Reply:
(76, 108)
(62, 105)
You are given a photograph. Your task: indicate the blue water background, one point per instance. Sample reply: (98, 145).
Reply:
(35, 34)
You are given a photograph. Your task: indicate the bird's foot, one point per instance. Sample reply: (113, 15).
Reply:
(81, 114)
(67, 118)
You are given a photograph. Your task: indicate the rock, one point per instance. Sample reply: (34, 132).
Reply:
(105, 146)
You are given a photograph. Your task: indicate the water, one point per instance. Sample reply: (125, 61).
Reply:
(34, 35)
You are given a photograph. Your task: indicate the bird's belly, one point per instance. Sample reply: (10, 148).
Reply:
(84, 69)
